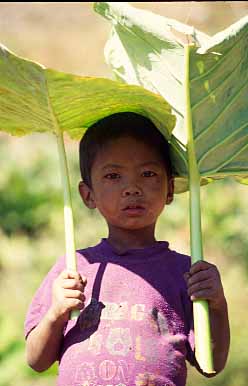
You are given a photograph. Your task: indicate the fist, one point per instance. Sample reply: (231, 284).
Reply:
(204, 282)
(67, 294)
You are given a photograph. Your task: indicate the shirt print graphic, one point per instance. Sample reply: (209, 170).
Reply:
(123, 344)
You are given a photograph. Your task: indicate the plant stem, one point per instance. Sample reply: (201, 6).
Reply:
(71, 261)
(203, 348)
(68, 216)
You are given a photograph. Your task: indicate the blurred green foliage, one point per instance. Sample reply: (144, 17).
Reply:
(23, 207)
(32, 237)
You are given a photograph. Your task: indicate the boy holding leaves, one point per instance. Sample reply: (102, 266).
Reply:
(135, 293)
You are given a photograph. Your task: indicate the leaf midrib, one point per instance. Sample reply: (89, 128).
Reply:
(50, 107)
(153, 50)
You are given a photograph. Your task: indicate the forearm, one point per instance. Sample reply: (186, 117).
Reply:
(43, 343)
(220, 332)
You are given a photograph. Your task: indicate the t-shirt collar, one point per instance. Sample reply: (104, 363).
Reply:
(152, 250)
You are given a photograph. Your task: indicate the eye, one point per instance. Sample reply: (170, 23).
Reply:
(112, 176)
(148, 173)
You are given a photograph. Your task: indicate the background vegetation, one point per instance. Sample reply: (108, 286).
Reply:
(70, 37)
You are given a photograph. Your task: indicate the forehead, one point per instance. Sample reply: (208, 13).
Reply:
(127, 150)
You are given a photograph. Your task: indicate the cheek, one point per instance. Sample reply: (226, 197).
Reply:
(158, 187)
(107, 197)
(158, 193)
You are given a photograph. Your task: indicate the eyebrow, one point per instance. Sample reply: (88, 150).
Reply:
(148, 163)
(117, 166)
(112, 166)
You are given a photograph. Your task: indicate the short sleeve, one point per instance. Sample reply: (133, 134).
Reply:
(188, 315)
(42, 298)
(190, 345)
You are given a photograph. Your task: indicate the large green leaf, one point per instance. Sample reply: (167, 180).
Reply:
(205, 79)
(148, 49)
(36, 99)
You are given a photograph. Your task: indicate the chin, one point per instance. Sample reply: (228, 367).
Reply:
(136, 225)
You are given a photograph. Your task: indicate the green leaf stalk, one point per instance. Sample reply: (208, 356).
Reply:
(71, 260)
(203, 349)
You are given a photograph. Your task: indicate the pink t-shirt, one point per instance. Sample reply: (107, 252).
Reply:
(136, 328)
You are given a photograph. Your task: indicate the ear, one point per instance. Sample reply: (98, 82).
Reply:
(87, 195)
(170, 193)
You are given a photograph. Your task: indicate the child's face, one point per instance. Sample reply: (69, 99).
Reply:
(129, 185)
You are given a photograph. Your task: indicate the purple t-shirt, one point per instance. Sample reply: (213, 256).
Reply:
(136, 328)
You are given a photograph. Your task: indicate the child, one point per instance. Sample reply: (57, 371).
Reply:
(135, 325)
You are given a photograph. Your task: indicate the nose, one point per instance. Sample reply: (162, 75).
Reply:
(132, 190)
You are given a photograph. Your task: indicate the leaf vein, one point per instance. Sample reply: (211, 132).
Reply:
(219, 61)
(217, 87)
(235, 97)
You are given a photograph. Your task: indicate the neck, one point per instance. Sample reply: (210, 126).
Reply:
(123, 239)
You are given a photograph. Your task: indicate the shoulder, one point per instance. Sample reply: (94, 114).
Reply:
(181, 261)
(89, 255)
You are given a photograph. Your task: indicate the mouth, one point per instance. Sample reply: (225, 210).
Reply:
(134, 209)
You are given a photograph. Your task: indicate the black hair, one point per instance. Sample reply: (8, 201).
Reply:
(115, 126)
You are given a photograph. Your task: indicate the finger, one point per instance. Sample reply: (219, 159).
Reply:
(200, 286)
(68, 274)
(72, 284)
(199, 266)
(74, 294)
(72, 304)
(199, 276)
(202, 295)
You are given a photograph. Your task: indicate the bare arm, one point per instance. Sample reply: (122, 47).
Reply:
(204, 282)
(43, 342)
(220, 333)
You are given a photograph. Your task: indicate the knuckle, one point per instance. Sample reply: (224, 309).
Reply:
(190, 291)
(72, 303)
(199, 286)
(191, 281)
(64, 274)
(74, 283)
(201, 295)
(76, 277)
(203, 274)
(77, 302)
(78, 294)
(72, 273)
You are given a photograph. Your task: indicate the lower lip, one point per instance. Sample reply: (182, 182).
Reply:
(134, 211)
